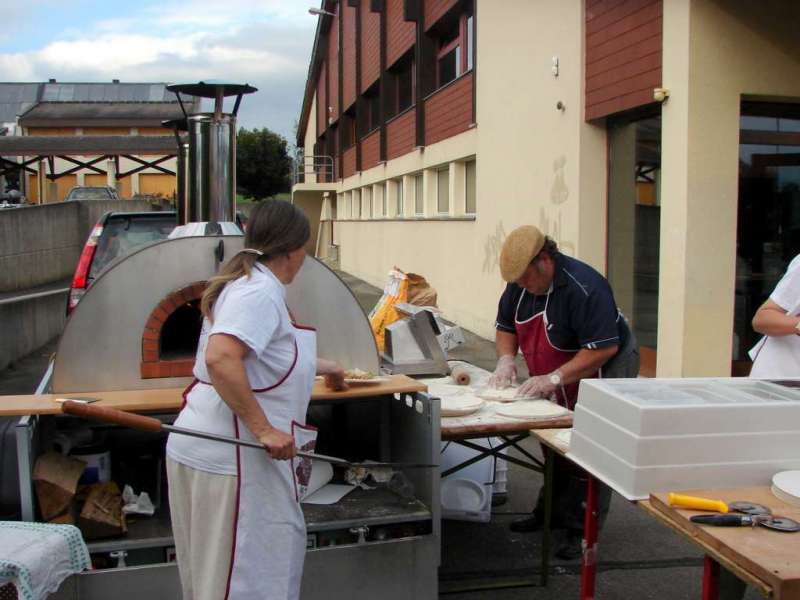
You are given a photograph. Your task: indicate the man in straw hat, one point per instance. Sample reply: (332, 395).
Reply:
(561, 314)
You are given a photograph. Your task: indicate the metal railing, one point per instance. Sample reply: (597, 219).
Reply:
(313, 169)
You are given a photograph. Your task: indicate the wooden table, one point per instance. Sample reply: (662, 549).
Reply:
(170, 399)
(768, 560)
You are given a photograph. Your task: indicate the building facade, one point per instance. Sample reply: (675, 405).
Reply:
(656, 140)
(102, 124)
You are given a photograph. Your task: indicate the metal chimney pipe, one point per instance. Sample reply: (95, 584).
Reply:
(212, 167)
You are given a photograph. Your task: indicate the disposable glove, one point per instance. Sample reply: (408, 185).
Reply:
(505, 373)
(539, 386)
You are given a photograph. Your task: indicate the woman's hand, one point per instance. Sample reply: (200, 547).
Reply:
(279, 444)
(334, 374)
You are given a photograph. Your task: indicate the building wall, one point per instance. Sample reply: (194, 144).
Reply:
(623, 54)
(716, 52)
(370, 46)
(535, 164)
(400, 34)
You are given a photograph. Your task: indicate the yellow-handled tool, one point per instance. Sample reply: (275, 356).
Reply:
(696, 503)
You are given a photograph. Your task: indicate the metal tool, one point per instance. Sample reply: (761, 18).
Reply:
(741, 520)
(412, 346)
(126, 419)
(697, 503)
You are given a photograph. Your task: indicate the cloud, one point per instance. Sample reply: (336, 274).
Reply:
(267, 45)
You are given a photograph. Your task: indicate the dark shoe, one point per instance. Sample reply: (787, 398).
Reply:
(571, 546)
(526, 524)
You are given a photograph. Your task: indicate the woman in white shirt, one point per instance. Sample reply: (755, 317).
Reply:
(239, 531)
(777, 354)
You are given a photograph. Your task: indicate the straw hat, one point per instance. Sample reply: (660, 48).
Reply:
(519, 249)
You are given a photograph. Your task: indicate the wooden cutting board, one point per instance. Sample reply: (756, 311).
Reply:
(770, 556)
(170, 399)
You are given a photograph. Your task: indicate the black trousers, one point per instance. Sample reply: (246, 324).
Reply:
(569, 496)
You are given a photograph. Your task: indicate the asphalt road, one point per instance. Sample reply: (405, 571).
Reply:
(638, 558)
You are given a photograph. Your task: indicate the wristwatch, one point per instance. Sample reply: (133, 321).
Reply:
(555, 378)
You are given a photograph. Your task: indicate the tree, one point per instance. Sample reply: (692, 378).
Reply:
(262, 163)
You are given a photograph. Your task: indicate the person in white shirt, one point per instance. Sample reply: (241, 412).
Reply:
(777, 354)
(238, 527)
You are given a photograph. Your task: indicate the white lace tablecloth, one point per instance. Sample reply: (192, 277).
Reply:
(38, 557)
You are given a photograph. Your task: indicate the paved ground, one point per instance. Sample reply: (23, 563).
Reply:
(638, 557)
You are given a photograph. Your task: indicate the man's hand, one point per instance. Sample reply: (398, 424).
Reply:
(279, 444)
(505, 373)
(538, 386)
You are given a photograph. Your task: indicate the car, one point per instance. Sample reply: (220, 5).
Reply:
(101, 192)
(114, 235)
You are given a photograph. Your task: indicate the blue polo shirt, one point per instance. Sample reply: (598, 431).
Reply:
(581, 310)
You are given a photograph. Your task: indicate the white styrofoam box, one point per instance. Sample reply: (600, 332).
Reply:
(647, 407)
(637, 483)
(686, 449)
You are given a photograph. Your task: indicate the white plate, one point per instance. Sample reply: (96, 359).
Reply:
(786, 486)
(371, 380)
(532, 409)
(458, 406)
(462, 494)
(508, 394)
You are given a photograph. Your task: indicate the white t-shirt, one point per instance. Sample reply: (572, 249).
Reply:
(780, 356)
(254, 311)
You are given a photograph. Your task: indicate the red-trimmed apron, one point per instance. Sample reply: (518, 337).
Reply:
(541, 356)
(269, 544)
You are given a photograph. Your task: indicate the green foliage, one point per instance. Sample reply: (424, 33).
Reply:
(262, 163)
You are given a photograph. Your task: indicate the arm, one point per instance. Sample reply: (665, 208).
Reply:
(224, 356)
(772, 319)
(333, 372)
(586, 363)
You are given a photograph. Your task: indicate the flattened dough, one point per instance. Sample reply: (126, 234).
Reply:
(458, 406)
(531, 409)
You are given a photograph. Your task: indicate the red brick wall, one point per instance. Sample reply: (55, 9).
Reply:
(435, 9)
(333, 62)
(348, 56)
(449, 111)
(623, 54)
(371, 150)
(370, 46)
(152, 366)
(349, 161)
(322, 103)
(400, 34)
(400, 134)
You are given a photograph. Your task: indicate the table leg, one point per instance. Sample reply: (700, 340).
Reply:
(549, 461)
(24, 433)
(589, 560)
(710, 578)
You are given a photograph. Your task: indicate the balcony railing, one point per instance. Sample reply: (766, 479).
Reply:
(313, 169)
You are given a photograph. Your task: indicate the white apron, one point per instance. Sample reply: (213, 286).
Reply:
(270, 533)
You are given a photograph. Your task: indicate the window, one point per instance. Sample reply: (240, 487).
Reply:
(356, 204)
(443, 191)
(384, 212)
(366, 201)
(372, 111)
(399, 210)
(419, 198)
(471, 201)
(400, 88)
(349, 131)
(455, 45)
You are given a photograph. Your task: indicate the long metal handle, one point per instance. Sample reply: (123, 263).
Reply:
(134, 421)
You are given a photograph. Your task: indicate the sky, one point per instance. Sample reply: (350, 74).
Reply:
(266, 43)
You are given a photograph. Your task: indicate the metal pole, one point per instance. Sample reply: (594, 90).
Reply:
(589, 560)
(710, 578)
(549, 460)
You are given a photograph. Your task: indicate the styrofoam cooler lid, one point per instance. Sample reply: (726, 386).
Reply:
(786, 486)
